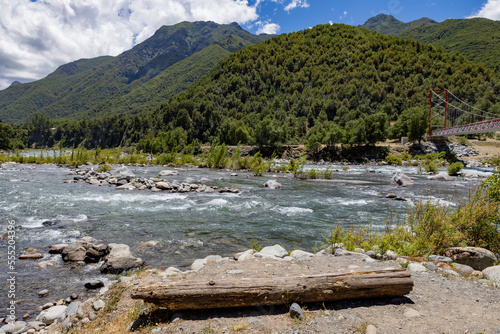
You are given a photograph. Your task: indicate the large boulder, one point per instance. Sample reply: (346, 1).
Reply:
(400, 179)
(440, 177)
(123, 172)
(492, 274)
(477, 258)
(52, 314)
(272, 251)
(16, 327)
(120, 259)
(272, 184)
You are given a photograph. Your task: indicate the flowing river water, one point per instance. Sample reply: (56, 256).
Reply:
(188, 225)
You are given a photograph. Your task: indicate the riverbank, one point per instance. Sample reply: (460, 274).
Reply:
(447, 297)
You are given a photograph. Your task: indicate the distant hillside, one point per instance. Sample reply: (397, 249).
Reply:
(478, 39)
(388, 25)
(126, 83)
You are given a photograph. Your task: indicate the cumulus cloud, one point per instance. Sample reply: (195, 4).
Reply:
(37, 36)
(490, 10)
(296, 3)
(266, 27)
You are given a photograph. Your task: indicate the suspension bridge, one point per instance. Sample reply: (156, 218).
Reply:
(449, 115)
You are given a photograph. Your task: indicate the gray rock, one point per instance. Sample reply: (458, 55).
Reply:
(400, 179)
(300, 255)
(438, 258)
(15, 327)
(430, 266)
(463, 269)
(73, 308)
(245, 257)
(237, 255)
(120, 259)
(198, 264)
(371, 254)
(66, 325)
(94, 284)
(492, 274)
(477, 258)
(127, 186)
(52, 314)
(163, 185)
(123, 172)
(370, 329)
(272, 184)
(390, 255)
(98, 304)
(296, 312)
(43, 293)
(416, 267)
(121, 182)
(272, 251)
(440, 177)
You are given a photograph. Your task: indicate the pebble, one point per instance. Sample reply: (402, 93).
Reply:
(416, 268)
(43, 293)
(296, 312)
(370, 329)
(98, 304)
(94, 284)
(411, 313)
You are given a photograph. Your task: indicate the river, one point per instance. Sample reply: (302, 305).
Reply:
(189, 225)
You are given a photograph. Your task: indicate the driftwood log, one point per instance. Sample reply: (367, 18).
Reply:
(195, 295)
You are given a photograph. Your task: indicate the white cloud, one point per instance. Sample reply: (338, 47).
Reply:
(490, 10)
(296, 3)
(344, 14)
(37, 36)
(267, 27)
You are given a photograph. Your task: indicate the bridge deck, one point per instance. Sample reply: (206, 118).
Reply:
(481, 127)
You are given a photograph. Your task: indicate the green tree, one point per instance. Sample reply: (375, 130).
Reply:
(6, 136)
(417, 124)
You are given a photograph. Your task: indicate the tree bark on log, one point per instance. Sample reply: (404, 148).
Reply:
(195, 295)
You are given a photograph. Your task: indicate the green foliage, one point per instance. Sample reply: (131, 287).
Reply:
(429, 228)
(393, 160)
(104, 168)
(492, 186)
(455, 167)
(6, 136)
(428, 166)
(388, 25)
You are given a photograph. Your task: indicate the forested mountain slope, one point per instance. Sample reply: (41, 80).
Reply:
(388, 25)
(82, 89)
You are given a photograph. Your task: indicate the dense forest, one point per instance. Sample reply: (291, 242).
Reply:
(326, 85)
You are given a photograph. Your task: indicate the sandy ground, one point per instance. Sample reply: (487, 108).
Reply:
(437, 304)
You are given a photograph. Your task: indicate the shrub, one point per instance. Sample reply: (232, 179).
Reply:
(455, 167)
(393, 160)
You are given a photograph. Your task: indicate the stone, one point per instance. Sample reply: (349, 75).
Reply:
(120, 259)
(443, 176)
(416, 267)
(52, 314)
(127, 186)
(272, 184)
(171, 271)
(47, 305)
(57, 249)
(438, 258)
(430, 266)
(30, 256)
(272, 251)
(463, 269)
(98, 305)
(152, 243)
(237, 255)
(245, 257)
(411, 313)
(123, 172)
(391, 196)
(168, 172)
(492, 274)
(370, 329)
(400, 179)
(94, 284)
(300, 255)
(296, 312)
(66, 325)
(235, 272)
(45, 264)
(477, 258)
(73, 308)
(17, 326)
(43, 293)
(213, 259)
(164, 185)
(371, 254)
(390, 255)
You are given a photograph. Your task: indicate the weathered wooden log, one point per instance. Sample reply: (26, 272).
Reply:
(195, 295)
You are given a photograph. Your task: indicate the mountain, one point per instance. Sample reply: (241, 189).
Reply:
(478, 39)
(132, 82)
(388, 25)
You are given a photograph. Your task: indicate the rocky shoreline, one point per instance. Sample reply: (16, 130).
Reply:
(465, 265)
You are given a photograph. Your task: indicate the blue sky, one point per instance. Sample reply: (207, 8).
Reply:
(316, 12)
(37, 36)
